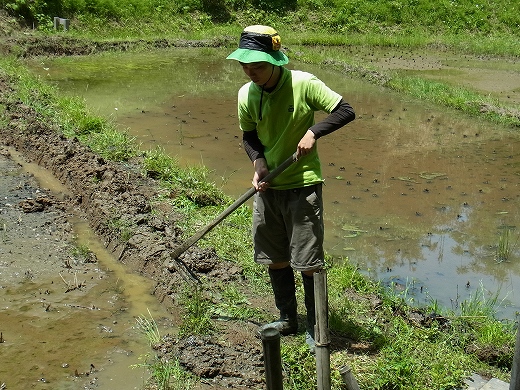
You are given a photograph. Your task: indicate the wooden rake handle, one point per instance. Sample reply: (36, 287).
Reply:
(236, 204)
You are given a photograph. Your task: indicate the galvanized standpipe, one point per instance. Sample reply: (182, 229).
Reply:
(514, 384)
(272, 358)
(348, 379)
(321, 331)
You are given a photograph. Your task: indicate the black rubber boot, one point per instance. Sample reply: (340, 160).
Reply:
(284, 289)
(308, 288)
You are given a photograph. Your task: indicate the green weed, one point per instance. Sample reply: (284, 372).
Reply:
(479, 304)
(197, 313)
(395, 352)
(298, 365)
(112, 144)
(83, 252)
(165, 374)
(190, 182)
(123, 227)
(148, 327)
(458, 98)
(234, 304)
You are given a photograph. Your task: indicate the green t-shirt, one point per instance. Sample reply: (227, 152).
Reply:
(287, 114)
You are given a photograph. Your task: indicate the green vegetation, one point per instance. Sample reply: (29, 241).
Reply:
(82, 251)
(74, 118)
(189, 185)
(443, 17)
(148, 327)
(321, 33)
(124, 228)
(402, 347)
(506, 247)
(165, 374)
(398, 346)
(459, 98)
(197, 312)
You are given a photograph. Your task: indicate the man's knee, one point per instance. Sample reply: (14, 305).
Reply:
(311, 272)
(279, 265)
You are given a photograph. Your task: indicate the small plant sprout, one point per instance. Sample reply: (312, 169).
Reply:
(149, 328)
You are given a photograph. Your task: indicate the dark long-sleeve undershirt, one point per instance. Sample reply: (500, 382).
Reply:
(342, 114)
(252, 145)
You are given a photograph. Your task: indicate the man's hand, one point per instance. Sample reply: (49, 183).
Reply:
(261, 171)
(306, 144)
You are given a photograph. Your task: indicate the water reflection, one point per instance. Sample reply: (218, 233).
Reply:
(414, 192)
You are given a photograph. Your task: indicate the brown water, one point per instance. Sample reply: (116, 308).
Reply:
(416, 194)
(82, 339)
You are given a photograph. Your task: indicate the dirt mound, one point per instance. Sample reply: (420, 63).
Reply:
(217, 362)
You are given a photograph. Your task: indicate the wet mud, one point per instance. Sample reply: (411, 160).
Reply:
(44, 283)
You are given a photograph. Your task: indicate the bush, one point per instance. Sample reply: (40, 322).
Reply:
(32, 11)
(340, 16)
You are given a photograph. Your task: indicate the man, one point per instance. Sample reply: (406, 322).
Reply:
(276, 114)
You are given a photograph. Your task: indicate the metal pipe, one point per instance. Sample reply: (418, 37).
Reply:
(514, 384)
(321, 332)
(348, 378)
(272, 358)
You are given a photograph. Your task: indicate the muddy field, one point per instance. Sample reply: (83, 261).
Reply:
(102, 192)
(99, 192)
(234, 359)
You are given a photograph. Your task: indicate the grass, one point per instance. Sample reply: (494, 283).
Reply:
(463, 99)
(82, 251)
(402, 354)
(198, 312)
(328, 24)
(235, 304)
(459, 98)
(69, 116)
(124, 228)
(164, 374)
(395, 350)
(167, 375)
(188, 185)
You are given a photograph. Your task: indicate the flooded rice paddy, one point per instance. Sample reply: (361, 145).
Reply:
(419, 196)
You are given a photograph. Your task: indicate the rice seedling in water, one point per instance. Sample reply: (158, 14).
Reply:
(505, 247)
(149, 328)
